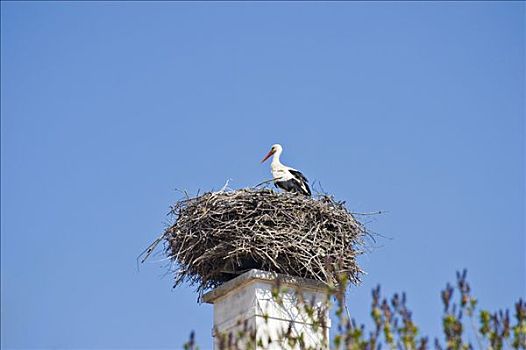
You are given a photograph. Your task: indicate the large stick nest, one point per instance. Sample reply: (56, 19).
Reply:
(219, 235)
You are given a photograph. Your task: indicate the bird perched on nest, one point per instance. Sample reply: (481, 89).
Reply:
(286, 178)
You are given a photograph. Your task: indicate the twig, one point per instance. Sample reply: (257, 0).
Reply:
(370, 213)
(264, 182)
(225, 186)
(148, 251)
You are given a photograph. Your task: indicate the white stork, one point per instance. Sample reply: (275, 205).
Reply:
(286, 178)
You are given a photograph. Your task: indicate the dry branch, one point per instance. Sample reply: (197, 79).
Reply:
(218, 235)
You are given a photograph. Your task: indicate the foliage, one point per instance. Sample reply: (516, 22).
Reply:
(393, 325)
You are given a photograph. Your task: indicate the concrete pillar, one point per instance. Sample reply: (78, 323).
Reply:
(248, 302)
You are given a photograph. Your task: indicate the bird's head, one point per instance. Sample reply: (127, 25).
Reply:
(276, 148)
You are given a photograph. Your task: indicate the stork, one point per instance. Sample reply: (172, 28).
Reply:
(286, 178)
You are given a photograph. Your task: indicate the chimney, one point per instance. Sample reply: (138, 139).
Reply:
(250, 302)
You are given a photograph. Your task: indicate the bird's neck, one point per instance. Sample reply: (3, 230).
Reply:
(275, 159)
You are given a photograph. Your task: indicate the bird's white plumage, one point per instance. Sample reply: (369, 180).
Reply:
(279, 171)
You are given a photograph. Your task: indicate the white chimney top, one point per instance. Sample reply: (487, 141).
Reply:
(248, 302)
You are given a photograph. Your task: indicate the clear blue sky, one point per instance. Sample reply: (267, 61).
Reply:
(412, 108)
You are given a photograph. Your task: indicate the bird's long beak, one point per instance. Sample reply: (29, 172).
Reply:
(268, 155)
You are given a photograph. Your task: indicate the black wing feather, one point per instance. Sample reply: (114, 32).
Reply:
(301, 179)
(297, 174)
